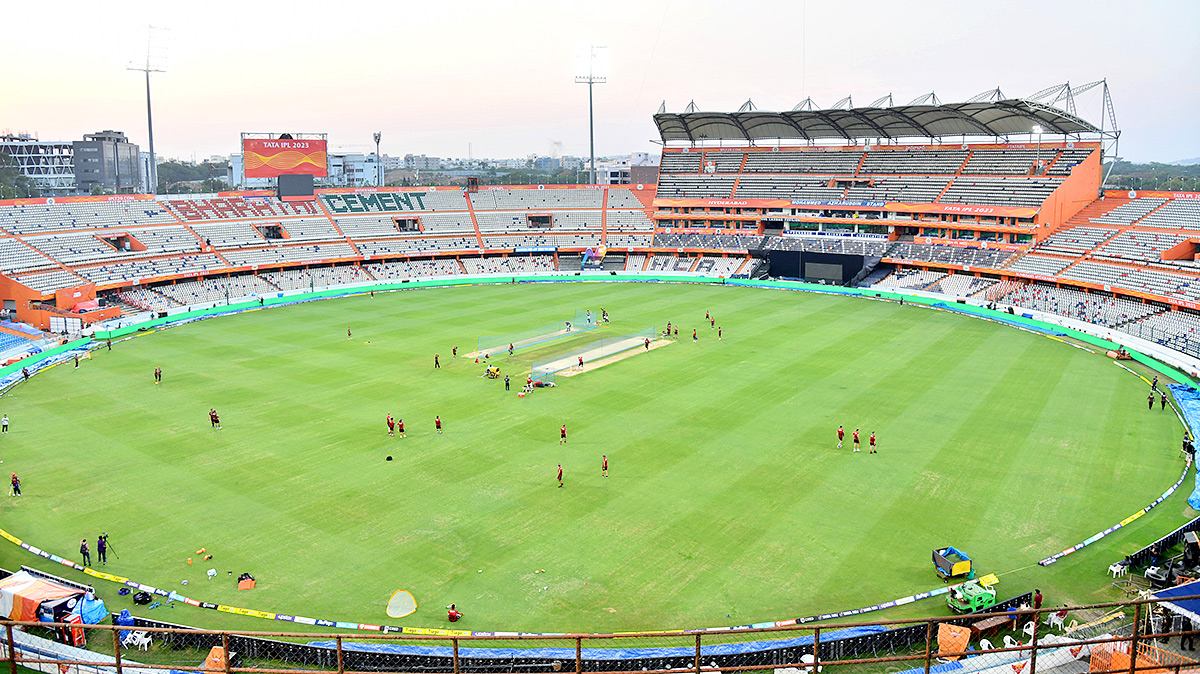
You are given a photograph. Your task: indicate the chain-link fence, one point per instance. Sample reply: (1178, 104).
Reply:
(1146, 635)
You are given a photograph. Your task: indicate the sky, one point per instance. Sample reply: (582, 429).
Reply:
(496, 79)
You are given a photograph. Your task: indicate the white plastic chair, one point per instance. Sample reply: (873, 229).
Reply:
(1010, 642)
(1055, 620)
(807, 659)
(985, 645)
(137, 639)
(1028, 629)
(1117, 570)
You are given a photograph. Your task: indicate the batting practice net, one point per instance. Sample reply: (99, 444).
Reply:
(583, 320)
(544, 370)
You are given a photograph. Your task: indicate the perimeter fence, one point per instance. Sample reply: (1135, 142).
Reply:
(1010, 638)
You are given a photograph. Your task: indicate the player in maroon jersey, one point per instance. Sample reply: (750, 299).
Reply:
(871, 441)
(437, 423)
(560, 476)
(857, 448)
(581, 362)
(1162, 398)
(348, 335)
(841, 436)
(718, 334)
(454, 352)
(604, 465)
(562, 434)
(400, 427)
(391, 424)
(694, 337)
(1150, 400)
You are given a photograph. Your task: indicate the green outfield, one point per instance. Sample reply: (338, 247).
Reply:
(728, 501)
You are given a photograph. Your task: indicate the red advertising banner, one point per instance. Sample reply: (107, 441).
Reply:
(267, 158)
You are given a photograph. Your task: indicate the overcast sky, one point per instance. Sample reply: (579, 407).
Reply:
(437, 77)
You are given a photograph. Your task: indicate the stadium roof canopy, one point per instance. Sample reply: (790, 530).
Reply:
(996, 118)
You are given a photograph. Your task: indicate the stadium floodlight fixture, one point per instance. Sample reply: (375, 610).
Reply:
(155, 63)
(378, 161)
(591, 67)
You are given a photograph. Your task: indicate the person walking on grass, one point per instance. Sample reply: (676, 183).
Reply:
(4, 424)
(560, 480)
(85, 553)
(15, 489)
(604, 465)
(841, 436)
(562, 435)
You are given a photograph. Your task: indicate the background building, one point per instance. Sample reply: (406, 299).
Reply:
(49, 164)
(353, 169)
(106, 160)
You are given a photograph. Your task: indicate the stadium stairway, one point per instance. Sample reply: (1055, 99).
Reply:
(1083, 218)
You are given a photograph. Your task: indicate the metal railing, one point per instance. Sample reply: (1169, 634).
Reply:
(1026, 641)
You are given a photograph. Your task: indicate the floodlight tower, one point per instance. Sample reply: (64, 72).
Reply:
(378, 162)
(152, 179)
(592, 61)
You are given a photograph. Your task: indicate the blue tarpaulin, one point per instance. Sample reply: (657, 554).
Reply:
(1188, 607)
(91, 610)
(1187, 399)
